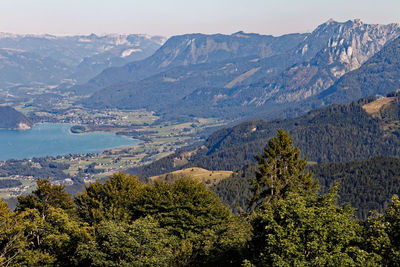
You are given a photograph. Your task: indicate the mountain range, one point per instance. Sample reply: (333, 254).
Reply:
(72, 58)
(240, 74)
(191, 49)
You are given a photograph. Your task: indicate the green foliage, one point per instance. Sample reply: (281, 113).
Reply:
(140, 243)
(122, 222)
(306, 231)
(224, 244)
(235, 191)
(199, 226)
(366, 185)
(45, 196)
(51, 240)
(182, 207)
(109, 200)
(382, 234)
(280, 171)
(11, 235)
(43, 231)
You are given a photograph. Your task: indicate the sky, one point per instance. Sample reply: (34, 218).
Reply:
(173, 17)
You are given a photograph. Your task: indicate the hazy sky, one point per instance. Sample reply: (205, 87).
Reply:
(171, 17)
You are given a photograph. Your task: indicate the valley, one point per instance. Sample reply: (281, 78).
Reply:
(210, 146)
(203, 102)
(157, 139)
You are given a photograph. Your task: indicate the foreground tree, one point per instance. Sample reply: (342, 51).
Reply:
(109, 200)
(382, 234)
(12, 241)
(307, 231)
(49, 226)
(292, 224)
(184, 206)
(280, 171)
(201, 227)
(140, 243)
(45, 196)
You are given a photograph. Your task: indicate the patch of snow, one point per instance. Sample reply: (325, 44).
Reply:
(129, 52)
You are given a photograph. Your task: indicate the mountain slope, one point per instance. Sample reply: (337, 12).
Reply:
(247, 87)
(366, 185)
(165, 88)
(193, 49)
(68, 57)
(378, 76)
(12, 119)
(333, 134)
(19, 67)
(349, 45)
(71, 50)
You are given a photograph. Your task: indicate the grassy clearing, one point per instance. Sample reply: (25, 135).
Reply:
(375, 106)
(207, 177)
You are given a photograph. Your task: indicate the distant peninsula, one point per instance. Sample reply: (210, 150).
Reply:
(13, 120)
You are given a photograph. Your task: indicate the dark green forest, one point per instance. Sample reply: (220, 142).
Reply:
(338, 133)
(289, 220)
(366, 185)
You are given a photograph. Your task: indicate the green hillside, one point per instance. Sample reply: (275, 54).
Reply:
(366, 185)
(337, 133)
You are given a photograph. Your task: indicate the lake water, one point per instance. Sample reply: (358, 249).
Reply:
(52, 139)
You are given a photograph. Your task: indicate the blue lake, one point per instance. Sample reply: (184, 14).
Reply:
(52, 139)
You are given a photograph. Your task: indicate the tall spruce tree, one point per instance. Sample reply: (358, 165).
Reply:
(280, 171)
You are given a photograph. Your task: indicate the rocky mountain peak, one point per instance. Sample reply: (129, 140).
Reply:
(330, 21)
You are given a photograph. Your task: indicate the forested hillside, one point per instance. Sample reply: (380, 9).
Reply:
(366, 185)
(337, 133)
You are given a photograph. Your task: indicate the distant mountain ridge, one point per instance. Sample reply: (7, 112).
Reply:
(351, 45)
(20, 67)
(12, 119)
(379, 75)
(258, 85)
(83, 56)
(190, 49)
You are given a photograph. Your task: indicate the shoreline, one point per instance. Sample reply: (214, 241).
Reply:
(13, 147)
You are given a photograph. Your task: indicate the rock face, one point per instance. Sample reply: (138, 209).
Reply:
(352, 44)
(12, 119)
(343, 47)
(377, 76)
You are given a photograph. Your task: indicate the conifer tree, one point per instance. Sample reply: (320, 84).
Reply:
(280, 171)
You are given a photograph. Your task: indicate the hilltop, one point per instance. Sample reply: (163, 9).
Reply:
(12, 119)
